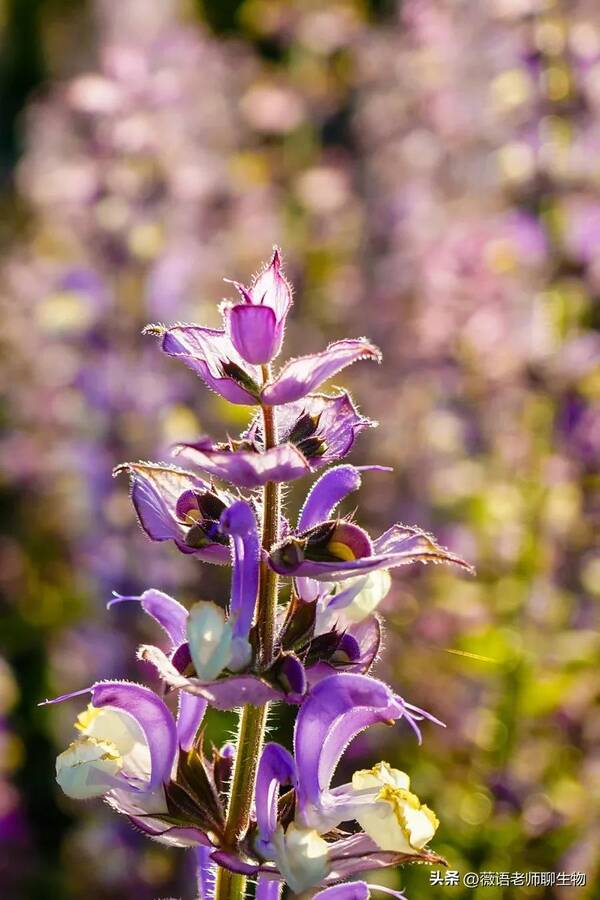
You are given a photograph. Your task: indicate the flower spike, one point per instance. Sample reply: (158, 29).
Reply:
(256, 809)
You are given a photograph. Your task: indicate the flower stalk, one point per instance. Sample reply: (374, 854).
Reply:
(253, 719)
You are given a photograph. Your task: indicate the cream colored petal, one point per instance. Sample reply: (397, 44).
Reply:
(396, 819)
(122, 730)
(375, 778)
(377, 587)
(382, 826)
(301, 856)
(422, 824)
(87, 768)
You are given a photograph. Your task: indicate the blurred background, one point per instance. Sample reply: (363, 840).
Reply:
(431, 170)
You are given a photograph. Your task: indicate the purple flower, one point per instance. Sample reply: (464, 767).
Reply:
(256, 325)
(329, 491)
(128, 752)
(174, 505)
(208, 642)
(173, 619)
(396, 825)
(212, 640)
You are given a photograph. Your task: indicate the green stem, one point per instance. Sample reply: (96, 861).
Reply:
(231, 886)
(269, 580)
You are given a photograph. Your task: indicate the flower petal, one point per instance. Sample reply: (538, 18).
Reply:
(239, 522)
(336, 710)
(190, 712)
(367, 635)
(170, 615)
(270, 288)
(209, 640)
(148, 710)
(300, 376)
(301, 856)
(153, 717)
(326, 493)
(361, 597)
(246, 468)
(276, 768)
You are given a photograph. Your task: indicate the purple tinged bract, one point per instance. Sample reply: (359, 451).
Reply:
(246, 468)
(335, 551)
(175, 505)
(322, 427)
(211, 354)
(256, 325)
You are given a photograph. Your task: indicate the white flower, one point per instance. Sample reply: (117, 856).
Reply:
(301, 856)
(112, 744)
(389, 812)
(354, 600)
(86, 768)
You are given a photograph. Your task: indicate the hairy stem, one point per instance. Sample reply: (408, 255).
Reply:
(231, 886)
(269, 580)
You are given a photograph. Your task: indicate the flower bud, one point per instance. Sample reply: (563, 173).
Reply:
(256, 325)
(210, 640)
